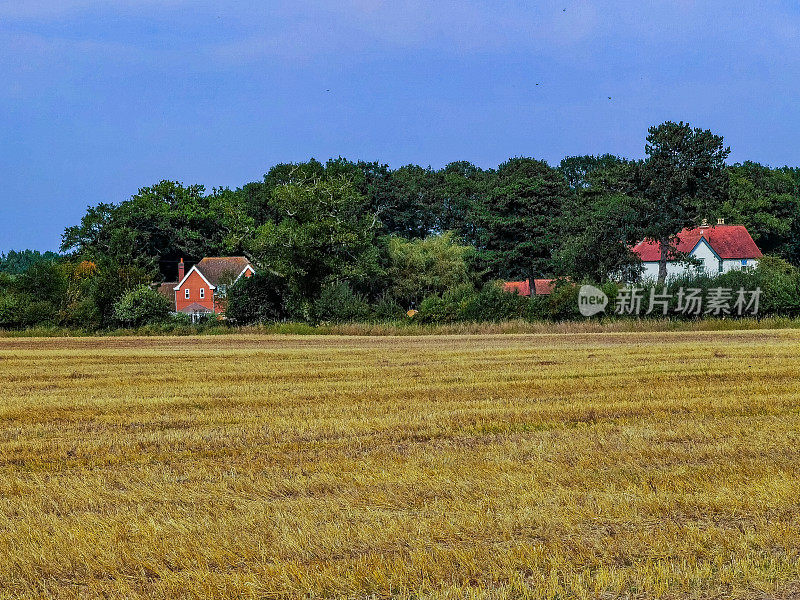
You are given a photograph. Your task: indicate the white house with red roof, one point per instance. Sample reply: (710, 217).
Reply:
(719, 248)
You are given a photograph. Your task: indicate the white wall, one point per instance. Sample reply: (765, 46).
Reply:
(673, 268)
(733, 265)
(704, 252)
(710, 260)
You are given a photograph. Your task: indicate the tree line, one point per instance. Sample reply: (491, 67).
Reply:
(322, 233)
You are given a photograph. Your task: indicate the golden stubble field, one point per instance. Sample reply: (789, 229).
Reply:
(541, 466)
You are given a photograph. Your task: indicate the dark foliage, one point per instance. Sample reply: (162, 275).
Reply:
(262, 298)
(16, 263)
(353, 240)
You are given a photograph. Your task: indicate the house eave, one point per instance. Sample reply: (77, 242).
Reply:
(199, 272)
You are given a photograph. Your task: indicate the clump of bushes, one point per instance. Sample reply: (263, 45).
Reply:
(778, 281)
(141, 306)
(104, 296)
(10, 311)
(466, 304)
(338, 303)
(262, 298)
(562, 303)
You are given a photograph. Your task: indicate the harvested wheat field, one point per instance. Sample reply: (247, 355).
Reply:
(542, 466)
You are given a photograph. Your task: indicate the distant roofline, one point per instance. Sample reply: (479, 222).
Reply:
(199, 272)
(648, 245)
(224, 257)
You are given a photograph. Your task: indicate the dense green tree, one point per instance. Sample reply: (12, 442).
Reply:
(95, 235)
(235, 220)
(11, 309)
(140, 306)
(766, 201)
(45, 281)
(461, 188)
(371, 179)
(326, 234)
(17, 262)
(422, 267)
(411, 208)
(598, 232)
(517, 220)
(338, 303)
(262, 298)
(682, 178)
(293, 173)
(579, 171)
(37, 296)
(152, 230)
(253, 198)
(106, 285)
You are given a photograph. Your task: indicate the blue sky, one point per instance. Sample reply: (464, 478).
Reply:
(99, 98)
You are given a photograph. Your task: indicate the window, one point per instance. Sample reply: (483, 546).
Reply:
(202, 293)
(186, 293)
(744, 262)
(719, 267)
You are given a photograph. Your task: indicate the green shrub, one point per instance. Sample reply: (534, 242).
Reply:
(778, 280)
(433, 309)
(179, 319)
(491, 304)
(464, 304)
(386, 309)
(140, 306)
(562, 304)
(338, 303)
(780, 287)
(39, 312)
(261, 298)
(445, 308)
(425, 267)
(81, 313)
(538, 309)
(10, 311)
(45, 281)
(22, 310)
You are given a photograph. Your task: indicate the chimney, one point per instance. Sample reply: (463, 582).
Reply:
(720, 221)
(181, 271)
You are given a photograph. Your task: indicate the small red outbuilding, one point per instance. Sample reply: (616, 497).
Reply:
(541, 287)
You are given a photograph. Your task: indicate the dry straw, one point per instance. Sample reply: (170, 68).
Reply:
(478, 466)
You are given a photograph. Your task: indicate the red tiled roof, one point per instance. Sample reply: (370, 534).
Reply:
(544, 287)
(522, 288)
(166, 290)
(222, 269)
(541, 287)
(728, 241)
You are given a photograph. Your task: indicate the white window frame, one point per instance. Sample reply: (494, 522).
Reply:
(186, 293)
(202, 293)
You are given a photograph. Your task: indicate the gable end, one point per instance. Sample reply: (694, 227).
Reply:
(194, 269)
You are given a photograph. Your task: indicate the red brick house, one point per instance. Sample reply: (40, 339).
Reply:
(203, 289)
